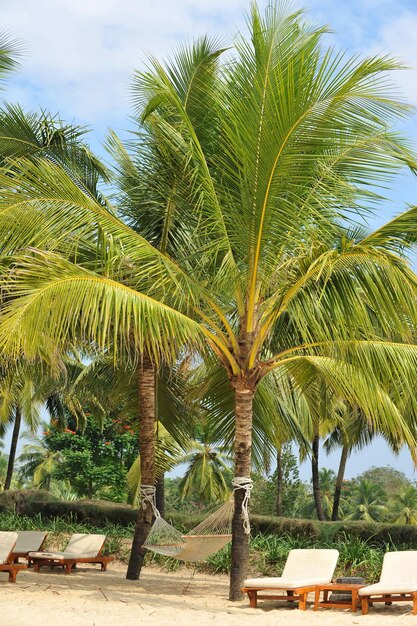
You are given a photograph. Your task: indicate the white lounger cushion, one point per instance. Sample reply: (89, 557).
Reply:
(380, 589)
(51, 555)
(398, 575)
(302, 568)
(283, 583)
(80, 546)
(29, 540)
(7, 543)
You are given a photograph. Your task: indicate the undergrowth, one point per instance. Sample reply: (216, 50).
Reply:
(358, 557)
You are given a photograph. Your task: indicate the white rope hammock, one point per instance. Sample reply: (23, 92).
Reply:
(210, 536)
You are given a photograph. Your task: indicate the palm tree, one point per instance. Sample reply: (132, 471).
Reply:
(208, 471)
(404, 507)
(326, 480)
(266, 160)
(21, 398)
(367, 502)
(36, 461)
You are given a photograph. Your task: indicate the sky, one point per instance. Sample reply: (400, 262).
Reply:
(78, 59)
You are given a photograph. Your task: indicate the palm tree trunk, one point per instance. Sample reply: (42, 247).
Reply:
(13, 448)
(278, 504)
(339, 481)
(316, 478)
(243, 446)
(146, 396)
(160, 495)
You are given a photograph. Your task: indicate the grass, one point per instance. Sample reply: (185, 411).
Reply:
(358, 557)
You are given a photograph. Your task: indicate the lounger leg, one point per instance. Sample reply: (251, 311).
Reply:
(414, 603)
(316, 599)
(253, 600)
(12, 576)
(68, 567)
(302, 602)
(36, 566)
(365, 605)
(103, 566)
(354, 600)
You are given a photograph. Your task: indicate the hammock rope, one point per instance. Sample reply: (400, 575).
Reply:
(242, 482)
(206, 538)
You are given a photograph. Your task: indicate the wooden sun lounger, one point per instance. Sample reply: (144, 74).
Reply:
(303, 570)
(298, 594)
(7, 543)
(398, 581)
(28, 541)
(13, 569)
(69, 560)
(388, 599)
(69, 563)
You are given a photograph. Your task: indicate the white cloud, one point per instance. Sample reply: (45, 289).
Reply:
(399, 39)
(81, 54)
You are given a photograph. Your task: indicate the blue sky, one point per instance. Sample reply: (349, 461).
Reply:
(79, 56)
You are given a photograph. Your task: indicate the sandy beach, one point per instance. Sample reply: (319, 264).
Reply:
(92, 598)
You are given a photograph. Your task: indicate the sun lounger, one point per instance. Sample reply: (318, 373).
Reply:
(398, 581)
(80, 549)
(7, 543)
(304, 569)
(28, 541)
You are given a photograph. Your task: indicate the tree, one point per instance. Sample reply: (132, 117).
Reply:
(403, 509)
(391, 480)
(367, 502)
(264, 159)
(94, 462)
(37, 462)
(208, 471)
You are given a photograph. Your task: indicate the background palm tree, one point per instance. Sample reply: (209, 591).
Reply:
(367, 502)
(404, 507)
(37, 461)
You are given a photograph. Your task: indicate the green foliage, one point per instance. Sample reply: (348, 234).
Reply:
(403, 509)
(361, 551)
(391, 480)
(368, 501)
(96, 461)
(264, 494)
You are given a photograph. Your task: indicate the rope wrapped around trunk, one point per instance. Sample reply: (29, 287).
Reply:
(147, 495)
(245, 483)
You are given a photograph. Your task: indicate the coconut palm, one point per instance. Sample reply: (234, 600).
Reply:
(208, 468)
(36, 461)
(367, 502)
(268, 159)
(326, 480)
(403, 509)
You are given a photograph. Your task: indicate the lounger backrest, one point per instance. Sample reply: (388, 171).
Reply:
(310, 564)
(399, 567)
(7, 543)
(29, 540)
(85, 546)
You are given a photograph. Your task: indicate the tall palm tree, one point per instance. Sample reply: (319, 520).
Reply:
(21, 398)
(268, 159)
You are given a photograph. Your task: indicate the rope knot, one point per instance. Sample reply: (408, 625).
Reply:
(245, 483)
(147, 494)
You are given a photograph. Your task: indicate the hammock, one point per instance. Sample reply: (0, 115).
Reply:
(210, 536)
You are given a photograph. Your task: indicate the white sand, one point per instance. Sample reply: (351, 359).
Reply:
(89, 597)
